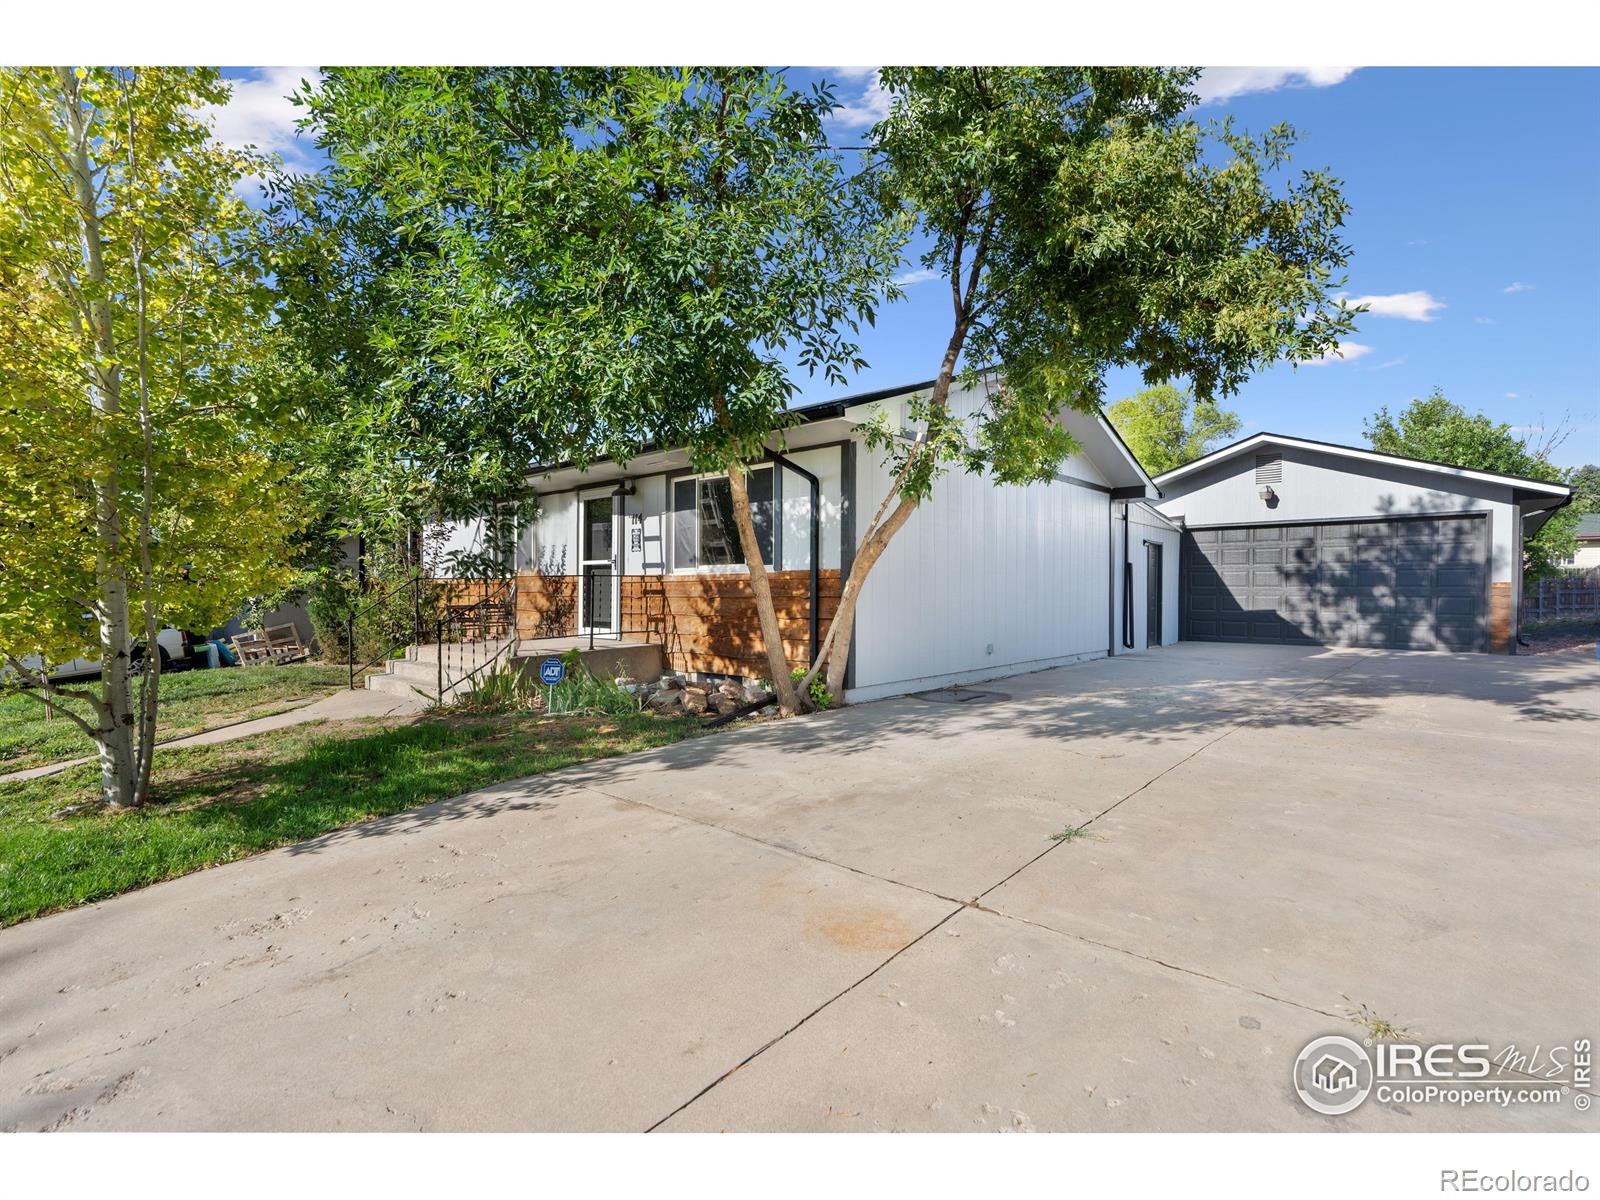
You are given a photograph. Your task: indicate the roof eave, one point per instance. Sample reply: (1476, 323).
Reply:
(1522, 482)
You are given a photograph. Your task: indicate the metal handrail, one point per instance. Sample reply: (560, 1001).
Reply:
(503, 600)
(414, 582)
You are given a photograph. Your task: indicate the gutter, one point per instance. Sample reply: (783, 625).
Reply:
(1547, 514)
(1127, 584)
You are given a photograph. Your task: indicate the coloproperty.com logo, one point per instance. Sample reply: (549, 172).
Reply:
(1335, 1075)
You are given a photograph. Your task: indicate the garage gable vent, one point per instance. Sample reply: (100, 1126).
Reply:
(1269, 468)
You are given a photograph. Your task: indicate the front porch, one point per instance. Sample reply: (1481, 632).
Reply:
(605, 656)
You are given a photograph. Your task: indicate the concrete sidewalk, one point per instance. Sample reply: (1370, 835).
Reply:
(341, 706)
(859, 921)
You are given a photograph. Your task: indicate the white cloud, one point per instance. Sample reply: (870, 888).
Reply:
(920, 275)
(1409, 306)
(1483, 320)
(1384, 366)
(1511, 395)
(1346, 352)
(871, 102)
(1217, 84)
(258, 113)
(1514, 288)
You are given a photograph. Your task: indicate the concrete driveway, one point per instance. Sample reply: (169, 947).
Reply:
(859, 921)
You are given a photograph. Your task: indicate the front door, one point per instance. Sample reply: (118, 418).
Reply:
(597, 603)
(1152, 594)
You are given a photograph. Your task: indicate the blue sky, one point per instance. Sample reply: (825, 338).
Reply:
(1473, 194)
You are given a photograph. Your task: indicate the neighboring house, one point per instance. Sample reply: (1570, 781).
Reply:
(983, 581)
(1587, 555)
(1291, 540)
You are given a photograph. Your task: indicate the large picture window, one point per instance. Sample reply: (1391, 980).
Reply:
(703, 530)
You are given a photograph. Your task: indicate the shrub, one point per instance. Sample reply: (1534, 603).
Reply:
(821, 697)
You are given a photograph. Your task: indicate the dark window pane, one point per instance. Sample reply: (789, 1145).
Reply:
(762, 514)
(719, 536)
(683, 524)
(597, 529)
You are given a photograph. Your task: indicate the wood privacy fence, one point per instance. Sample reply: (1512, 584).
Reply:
(1572, 596)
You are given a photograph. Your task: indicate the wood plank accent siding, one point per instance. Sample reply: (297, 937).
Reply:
(704, 622)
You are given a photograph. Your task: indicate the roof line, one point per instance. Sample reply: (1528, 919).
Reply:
(1234, 447)
(840, 403)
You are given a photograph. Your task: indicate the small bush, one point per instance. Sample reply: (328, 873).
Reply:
(501, 689)
(821, 697)
(582, 692)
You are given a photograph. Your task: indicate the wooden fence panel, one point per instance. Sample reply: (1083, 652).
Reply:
(704, 622)
(1562, 598)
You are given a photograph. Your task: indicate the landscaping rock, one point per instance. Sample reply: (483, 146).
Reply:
(754, 692)
(666, 701)
(670, 682)
(694, 702)
(727, 704)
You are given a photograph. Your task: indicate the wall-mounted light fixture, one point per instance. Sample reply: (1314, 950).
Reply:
(624, 488)
(1268, 495)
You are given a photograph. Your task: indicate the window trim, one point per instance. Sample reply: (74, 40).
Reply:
(672, 481)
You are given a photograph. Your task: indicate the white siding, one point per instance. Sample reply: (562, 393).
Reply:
(646, 533)
(548, 541)
(825, 464)
(983, 581)
(1144, 526)
(645, 529)
(460, 537)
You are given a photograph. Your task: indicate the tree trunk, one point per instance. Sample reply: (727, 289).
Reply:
(767, 614)
(844, 618)
(114, 733)
(876, 538)
(150, 684)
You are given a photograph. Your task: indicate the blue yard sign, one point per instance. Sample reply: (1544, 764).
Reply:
(552, 671)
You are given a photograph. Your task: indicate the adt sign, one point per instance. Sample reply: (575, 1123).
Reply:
(552, 671)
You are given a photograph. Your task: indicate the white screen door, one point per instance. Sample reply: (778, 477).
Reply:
(598, 580)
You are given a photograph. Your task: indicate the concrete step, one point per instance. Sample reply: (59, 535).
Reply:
(418, 671)
(400, 685)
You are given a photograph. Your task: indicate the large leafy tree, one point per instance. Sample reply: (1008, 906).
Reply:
(579, 263)
(1081, 221)
(1437, 429)
(136, 484)
(1166, 426)
(1585, 481)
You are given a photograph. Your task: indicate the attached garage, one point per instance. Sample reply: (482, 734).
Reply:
(1416, 584)
(1291, 541)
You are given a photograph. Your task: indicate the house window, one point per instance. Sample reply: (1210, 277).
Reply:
(703, 529)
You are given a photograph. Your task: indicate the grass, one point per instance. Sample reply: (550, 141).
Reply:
(1071, 833)
(214, 804)
(191, 702)
(1379, 1029)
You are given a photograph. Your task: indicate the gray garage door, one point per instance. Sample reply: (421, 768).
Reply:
(1414, 584)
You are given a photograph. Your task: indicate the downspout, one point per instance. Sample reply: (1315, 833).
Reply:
(1111, 581)
(1127, 583)
(816, 542)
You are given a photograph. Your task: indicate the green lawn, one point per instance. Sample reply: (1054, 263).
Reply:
(214, 804)
(191, 701)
